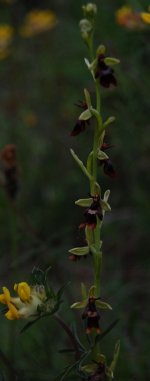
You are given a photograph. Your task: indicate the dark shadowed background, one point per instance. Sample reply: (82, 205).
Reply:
(41, 79)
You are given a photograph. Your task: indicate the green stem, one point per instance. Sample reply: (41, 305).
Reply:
(14, 239)
(98, 97)
(91, 49)
(97, 255)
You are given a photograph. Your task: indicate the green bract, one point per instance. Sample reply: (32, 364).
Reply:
(110, 61)
(101, 155)
(85, 115)
(84, 202)
(80, 250)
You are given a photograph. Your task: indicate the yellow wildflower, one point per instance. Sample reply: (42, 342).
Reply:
(146, 17)
(127, 17)
(5, 297)
(26, 305)
(38, 21)
(23, 290)
(6, 35)
(12, 312)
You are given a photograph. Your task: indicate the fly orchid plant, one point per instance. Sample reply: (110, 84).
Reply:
(36, 299)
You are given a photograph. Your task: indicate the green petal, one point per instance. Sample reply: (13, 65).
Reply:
(79, 305)
(111, 61)
(103, 305)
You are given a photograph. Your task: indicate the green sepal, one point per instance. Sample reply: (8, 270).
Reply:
(93, 248)
(110, 120)
(106, 195)
(87, 62)
(79, 305)
(115, 358)
(101, 50)
(101, 155)
(91, 66)
(81, 165)
(87, 98)
(85, 115)
(103, 305)
(89, 368)
(84, 202)
(111, 61)
(83, 291)
(105, 206)
(80, 251)
(92, 291)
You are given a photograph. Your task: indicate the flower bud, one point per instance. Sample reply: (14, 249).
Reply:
(90, 9)
(86, 29)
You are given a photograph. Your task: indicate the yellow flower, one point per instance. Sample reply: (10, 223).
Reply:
(12, 312)
(38, 21)
(26, 305)
(5, 297)
(6, 35)
(127, 17)
(24, 291)
(145, 17)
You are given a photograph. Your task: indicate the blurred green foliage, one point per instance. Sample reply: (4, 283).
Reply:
(40, 82)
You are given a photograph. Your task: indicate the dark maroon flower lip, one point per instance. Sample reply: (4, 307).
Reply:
(92, 316)
(105, 73)
(80, 124)
(108, 168)
(78, 128)
(92, 213)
